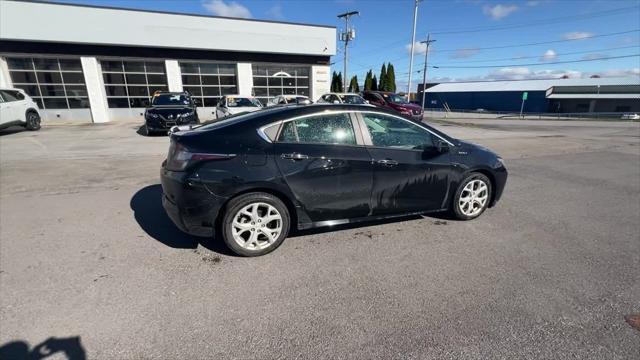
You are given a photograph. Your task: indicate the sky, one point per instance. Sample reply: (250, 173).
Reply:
(475, 39)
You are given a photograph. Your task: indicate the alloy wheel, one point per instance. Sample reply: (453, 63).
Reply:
(473, 198)
(256, 226)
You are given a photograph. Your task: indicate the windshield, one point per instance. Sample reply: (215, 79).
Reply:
(242, 102)
(170, 99)
(352, 99)
(396, 99)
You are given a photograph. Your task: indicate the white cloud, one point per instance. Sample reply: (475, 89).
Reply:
(465, 53)
(275, 12)
(594, 56)
(228, 9)
(633, 72)
(549, 55)
(419, 48)
(499, 11)
(577, 35)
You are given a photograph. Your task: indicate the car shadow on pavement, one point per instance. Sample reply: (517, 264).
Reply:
(20, 350)
(12, 130)
(146, 204)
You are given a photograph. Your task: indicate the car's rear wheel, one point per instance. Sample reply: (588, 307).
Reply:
(472, 197)
(33, 121)
(255, 224)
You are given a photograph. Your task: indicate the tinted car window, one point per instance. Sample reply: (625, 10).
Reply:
(352, 99)
(388, 131)
(171, 99)
(11, 95)
(319, 129)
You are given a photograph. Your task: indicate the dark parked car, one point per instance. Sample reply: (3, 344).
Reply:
(253, 177)
(394, 102)
(169, 109)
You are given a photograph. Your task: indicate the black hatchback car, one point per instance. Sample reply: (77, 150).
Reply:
(169, 109)
(253, 177)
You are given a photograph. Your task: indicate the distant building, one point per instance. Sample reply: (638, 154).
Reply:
(554, 96)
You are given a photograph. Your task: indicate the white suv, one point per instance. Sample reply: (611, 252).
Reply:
(17, 108)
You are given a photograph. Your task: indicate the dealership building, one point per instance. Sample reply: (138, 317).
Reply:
(99, 64)
(610, 95)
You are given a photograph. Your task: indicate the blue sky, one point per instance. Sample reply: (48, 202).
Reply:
(464, 29)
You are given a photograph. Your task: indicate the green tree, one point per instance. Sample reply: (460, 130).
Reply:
(382, 83)
(374, 83)
(353, 84)
(368, 80)
(339, 85)
(334, 81)
(391, 78)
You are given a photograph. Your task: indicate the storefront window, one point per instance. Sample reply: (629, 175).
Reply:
(207, 82)
(132, 83)
(273, 80)
(53, 83)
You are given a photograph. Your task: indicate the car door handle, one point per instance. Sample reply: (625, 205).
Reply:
(294, 156)
(387, 162)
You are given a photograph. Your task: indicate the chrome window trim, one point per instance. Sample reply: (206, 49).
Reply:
(364, 138)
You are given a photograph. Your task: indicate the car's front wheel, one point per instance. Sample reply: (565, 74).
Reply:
(255, 224)
(472, 197)
(33, 121)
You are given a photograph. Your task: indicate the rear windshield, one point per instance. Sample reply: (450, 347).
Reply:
(242, 102)
(352, 99)
(170, 99)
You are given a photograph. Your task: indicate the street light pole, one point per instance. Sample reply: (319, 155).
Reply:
(346, 36)
(424, 74)
(413, 42)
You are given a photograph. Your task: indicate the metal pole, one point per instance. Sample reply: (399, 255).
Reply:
(346, 36)
(521, 107)
(424, 75)
(413, 41)
(346, 43)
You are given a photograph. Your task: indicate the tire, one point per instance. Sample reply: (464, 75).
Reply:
(479, 197)
(33, 121)
(245, 229)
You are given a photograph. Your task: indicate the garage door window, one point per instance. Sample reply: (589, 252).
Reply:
(130, 84)
(207, 82)
(270, 81)
(53, 83)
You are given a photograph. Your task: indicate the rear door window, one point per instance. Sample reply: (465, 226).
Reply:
(319, 129)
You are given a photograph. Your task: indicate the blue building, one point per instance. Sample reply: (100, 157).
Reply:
(543, 96)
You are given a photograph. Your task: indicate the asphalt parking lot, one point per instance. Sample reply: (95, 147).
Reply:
(88, 257)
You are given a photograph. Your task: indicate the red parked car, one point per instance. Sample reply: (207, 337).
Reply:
(394, 102)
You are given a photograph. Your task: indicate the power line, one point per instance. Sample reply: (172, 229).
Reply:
(405, 74)
(537, 56)
(527, 44)
(562, 19)
(520, 25)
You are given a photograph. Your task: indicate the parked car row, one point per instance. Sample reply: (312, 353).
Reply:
(170, 109)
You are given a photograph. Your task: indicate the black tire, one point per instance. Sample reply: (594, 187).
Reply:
(33, 121)
(232, 209)
(456, 209)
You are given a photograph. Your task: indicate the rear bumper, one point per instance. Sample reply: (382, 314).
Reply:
(187, 202)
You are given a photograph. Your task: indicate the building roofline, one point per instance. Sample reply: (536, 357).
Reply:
(169, 13)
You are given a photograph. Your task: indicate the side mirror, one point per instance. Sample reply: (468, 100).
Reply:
(441, 146)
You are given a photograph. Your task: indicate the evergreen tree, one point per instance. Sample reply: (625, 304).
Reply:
(339, 86)
(334, 78)
(382, 84)
(391, 78)
(374, 83)
(353, 85)
(367, 80)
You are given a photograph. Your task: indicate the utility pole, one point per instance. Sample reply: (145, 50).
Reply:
(424, 75)
(413, 41)
(346, 36)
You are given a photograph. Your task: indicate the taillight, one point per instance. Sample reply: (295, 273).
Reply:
(180, 157)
